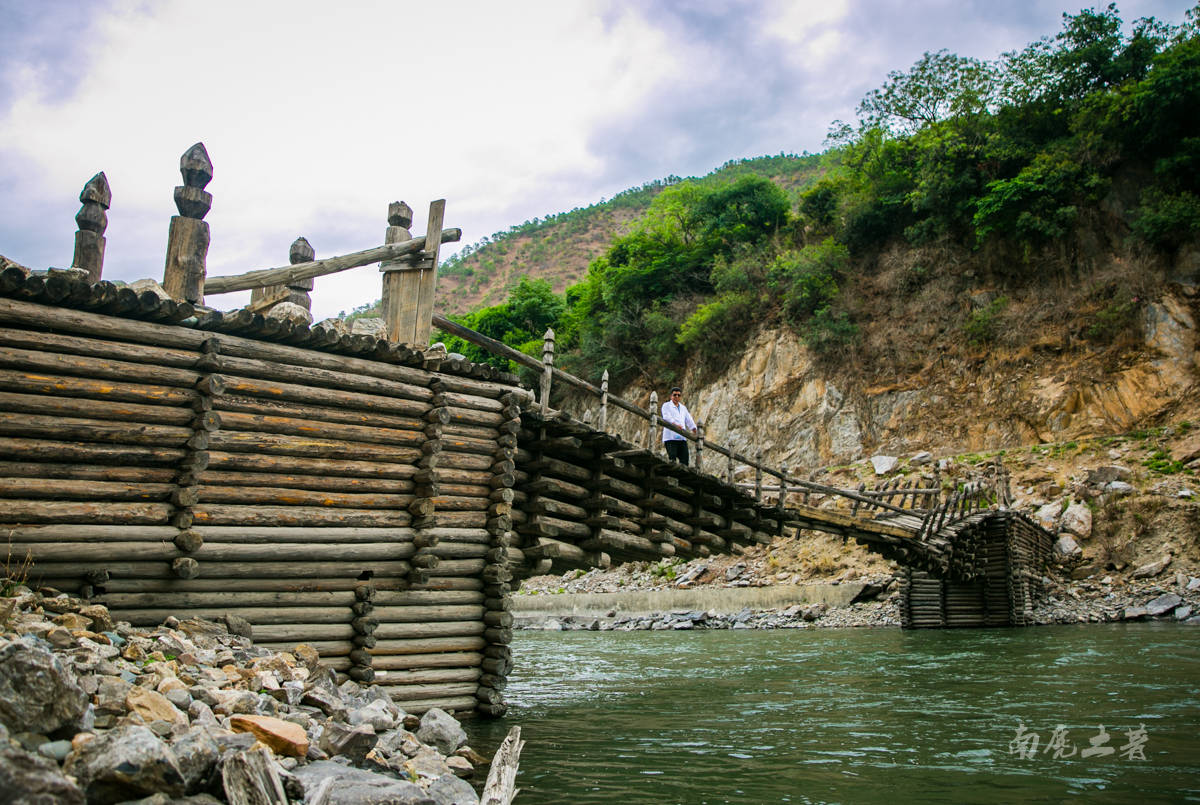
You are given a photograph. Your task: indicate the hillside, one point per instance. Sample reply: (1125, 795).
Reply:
(559, 247)
(1001, 257)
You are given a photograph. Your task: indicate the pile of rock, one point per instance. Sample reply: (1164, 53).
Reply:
(100, 712)
(1109, 600)
(884, 612)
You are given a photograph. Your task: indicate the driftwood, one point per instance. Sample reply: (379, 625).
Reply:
(500, 788)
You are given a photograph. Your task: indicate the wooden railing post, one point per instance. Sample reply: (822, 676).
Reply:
(295, 291)
(700, 445)
(92, 220)
(603, 423)
(758, 475)
(653, 412)
(188, 238)
(428, 265)
(547, 368)
(729, 468)
(782, 485)
(400, 282)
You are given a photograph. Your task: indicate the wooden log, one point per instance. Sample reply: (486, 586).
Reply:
(309, 395)
(281, 496)
(250, 584)
(276, 601)
(46, 511)
(90, 367)
(230, 570)
(501, 786)
(80, 387)
(91, 430)
(405, 662)
(236, 421)
(416, 630)
(428, 646)
(428, 613)
(220, 514)
(454, 696)
(95, 409)
(309, 447)
(330, 483)
(53, 342)
(290, 274)
(83, 489)
(218, 551)
(308, 466)
(556, 488)
(415, 677)
(324, 378)
(87, 533)
(317, 413)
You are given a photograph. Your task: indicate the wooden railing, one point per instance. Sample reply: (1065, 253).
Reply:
(549, 373)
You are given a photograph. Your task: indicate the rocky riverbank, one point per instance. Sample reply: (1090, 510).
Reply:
(191, 712)
(1106, 600)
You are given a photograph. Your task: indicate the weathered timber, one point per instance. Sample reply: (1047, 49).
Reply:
(289, 274)
(221, 514)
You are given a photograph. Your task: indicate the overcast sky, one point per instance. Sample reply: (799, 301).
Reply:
(317, 114)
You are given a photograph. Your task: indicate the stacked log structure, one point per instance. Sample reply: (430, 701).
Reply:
(342, 500)
(992, 578)
(586, 499)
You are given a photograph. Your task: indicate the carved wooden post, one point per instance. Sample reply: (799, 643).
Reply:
(758, 475)
(188, 238)
(699, 445)
(400, 281)
(295, 291)
(547, 368)
(782, 485)
(603, 423)
(428, 265)
(653, 412)
(92, 219)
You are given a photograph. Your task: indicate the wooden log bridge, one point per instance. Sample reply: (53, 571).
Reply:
(347, 495)
(376, 498)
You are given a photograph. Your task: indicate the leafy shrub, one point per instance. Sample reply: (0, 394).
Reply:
(717, 328)
(807, 281)
(1114, 320)
(1167, 221)
(982, 326)
(829, 332)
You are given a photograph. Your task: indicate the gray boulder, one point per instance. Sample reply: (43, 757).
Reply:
(884, 464)
(196, 753)
(1151, 569)
(1163, 604)
(125, 763)
(451, 790)
(350, 742)
(1105, 475)
(29, 779)
(1067, 548)
(439, 729)
(1077, 520)
(38, 691)
(358, 787)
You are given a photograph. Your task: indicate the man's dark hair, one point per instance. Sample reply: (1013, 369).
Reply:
(675, 389)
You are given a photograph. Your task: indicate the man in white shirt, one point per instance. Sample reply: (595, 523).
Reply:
(676, 413)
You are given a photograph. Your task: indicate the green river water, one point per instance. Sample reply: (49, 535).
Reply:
(856, 715)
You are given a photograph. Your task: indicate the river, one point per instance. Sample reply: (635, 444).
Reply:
(856, 715)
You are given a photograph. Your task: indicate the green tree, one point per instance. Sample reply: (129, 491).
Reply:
(938, 86)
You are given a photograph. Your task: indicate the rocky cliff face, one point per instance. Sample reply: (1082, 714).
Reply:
(805, 415)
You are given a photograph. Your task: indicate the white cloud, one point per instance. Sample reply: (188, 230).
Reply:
(316, 114)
